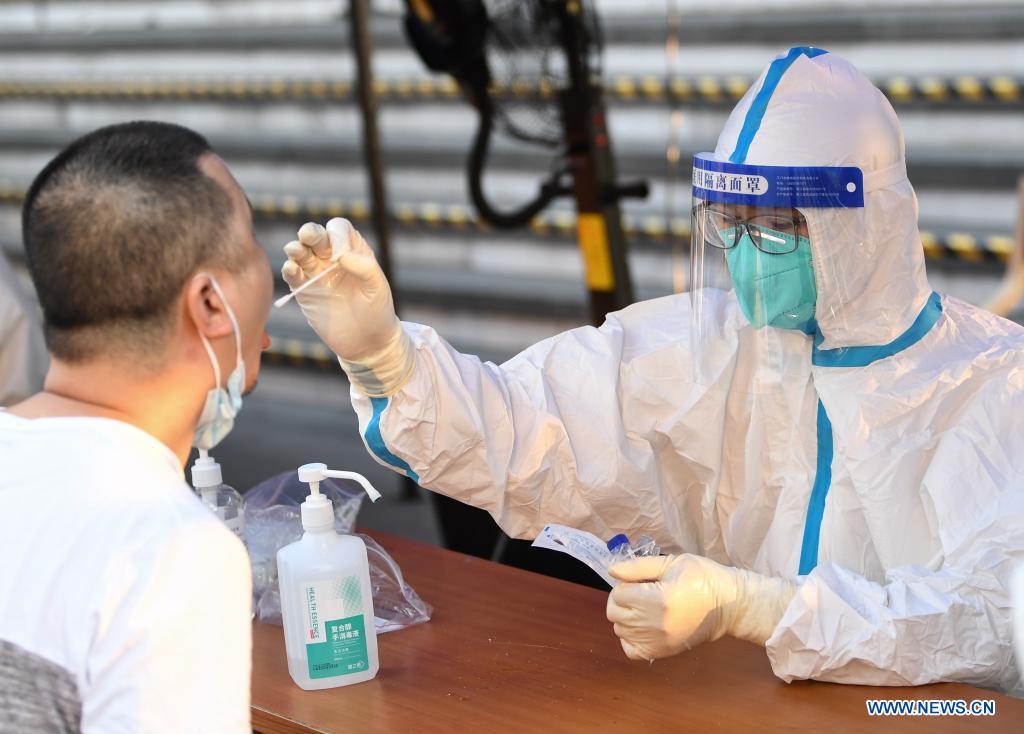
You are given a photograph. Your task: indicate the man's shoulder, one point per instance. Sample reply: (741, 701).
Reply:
(95, 451)
(96, 475)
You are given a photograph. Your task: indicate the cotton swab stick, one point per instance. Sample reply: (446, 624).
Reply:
(284, 299)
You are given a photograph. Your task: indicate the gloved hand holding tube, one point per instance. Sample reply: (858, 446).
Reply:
(351, 307)
(669, 604)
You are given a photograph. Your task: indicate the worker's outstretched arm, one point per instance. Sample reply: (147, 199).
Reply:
(539, 439)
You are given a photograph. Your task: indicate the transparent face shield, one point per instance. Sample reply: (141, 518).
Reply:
(763, 270)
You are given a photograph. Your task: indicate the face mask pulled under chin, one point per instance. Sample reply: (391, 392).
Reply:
(222, 405)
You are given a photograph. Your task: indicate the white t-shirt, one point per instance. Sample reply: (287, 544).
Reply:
(113, 570)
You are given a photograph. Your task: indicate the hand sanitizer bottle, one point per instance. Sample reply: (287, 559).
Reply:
(224, 501)
(326, 599)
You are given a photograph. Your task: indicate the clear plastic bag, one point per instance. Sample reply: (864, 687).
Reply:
(623, 550)
(273, 520)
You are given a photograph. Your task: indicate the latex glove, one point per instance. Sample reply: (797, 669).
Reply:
(351, 309)
(668, 604)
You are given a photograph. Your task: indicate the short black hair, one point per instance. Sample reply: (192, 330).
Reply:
(113, 227)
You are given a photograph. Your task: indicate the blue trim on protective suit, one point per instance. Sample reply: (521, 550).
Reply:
(863, 356)
(849, 357)
(375, 441)
(822, 482)
(752, 122)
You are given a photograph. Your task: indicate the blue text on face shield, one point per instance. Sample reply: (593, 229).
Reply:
(773, 290)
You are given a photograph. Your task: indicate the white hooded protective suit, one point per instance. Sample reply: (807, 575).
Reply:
(22, 351)
(880, 460)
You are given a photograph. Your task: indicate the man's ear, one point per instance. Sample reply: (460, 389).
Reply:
(205, 307)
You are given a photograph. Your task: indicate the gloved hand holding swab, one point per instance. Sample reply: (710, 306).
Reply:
(353, 313)
(284, 299)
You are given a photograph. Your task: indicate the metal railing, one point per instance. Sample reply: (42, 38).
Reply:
(779, 26)
(557, 224)
(964, 91)
(937, 169)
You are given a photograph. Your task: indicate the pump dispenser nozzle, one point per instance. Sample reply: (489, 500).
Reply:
(206, 472)
(223, 501)
(317, 510)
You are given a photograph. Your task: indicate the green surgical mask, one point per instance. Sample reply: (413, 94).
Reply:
(773, 290)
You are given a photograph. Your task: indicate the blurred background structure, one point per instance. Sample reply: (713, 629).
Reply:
(272, 85)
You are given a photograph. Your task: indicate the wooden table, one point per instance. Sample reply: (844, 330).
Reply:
(512, 651)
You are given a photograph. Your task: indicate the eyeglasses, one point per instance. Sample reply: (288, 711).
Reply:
(772, 234)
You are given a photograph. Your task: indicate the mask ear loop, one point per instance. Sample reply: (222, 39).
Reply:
(234, 326)
(216, 375)
(213, 359)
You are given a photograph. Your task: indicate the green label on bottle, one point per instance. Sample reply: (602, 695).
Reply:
(336, 643)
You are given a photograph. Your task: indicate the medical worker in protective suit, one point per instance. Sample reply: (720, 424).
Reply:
(22, 351)
(832, 451)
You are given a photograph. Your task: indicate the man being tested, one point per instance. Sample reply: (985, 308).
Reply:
(832, 450)
(124, 603)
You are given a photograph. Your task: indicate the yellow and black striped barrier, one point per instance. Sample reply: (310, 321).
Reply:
(966, 89)
(560, 224)
(711, 90)
(300, 353)
(11, 195)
